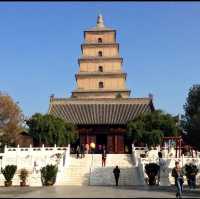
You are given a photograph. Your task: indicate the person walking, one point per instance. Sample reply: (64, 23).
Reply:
(104, 154)
(77, 151)
(116, 172)
(87, 147)
(192, 177)
(177, 173)
(162, 166)
(82, 151)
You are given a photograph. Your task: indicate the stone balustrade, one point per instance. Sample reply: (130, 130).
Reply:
(152, 156)
(33, 159)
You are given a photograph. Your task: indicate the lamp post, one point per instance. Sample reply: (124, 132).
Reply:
(92, 145)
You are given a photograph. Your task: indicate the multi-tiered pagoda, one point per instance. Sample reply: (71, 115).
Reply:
(100, 105)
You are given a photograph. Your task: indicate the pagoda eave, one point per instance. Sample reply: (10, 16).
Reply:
(95, 59)
(94, 45)
(99, 44)
(99, 90)
(94, 74)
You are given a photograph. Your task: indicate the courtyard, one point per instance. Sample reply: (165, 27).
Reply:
(94, 192)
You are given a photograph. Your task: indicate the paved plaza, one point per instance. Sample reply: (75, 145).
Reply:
(94, 192)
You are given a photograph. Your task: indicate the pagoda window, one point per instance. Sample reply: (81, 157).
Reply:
(100, 53)
(100, 68)
(101, 85)
(99, 40)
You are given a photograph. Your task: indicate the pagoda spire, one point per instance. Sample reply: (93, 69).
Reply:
(100, 21)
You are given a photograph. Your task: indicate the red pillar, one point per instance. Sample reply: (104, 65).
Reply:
(116, 144)
(87, 139)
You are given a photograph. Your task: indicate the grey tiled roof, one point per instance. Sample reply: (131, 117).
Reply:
(99, 111)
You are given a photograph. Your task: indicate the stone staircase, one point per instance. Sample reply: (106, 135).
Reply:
(89, 170)
(78, 171)
(129, 174)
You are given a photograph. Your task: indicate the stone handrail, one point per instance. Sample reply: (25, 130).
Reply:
(30, 149)
(33, 159)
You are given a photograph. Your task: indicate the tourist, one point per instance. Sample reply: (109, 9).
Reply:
(92, 146)
(116, 172)
(87, 148)
(177, 173)
(192, 177)
(104, 154)
(82, 151)
(77, 151)
(99, 148)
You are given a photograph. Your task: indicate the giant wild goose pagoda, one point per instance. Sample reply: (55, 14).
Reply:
(100, 106)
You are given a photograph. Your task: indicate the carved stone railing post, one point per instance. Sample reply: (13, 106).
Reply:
(5, 149)
(55, 148)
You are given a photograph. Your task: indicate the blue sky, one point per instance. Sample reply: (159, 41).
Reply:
(40, 44)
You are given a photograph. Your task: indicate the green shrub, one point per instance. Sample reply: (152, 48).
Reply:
(9, 172)
(48, 174)
(23, 175)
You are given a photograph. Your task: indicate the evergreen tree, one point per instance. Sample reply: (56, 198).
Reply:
(150, 128)
(50, 130)
(191, 119)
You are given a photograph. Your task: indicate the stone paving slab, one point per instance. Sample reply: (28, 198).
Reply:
(94, 192)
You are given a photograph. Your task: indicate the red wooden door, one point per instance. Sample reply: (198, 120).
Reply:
(82, 139)
(110, 144)
(120, 144)
(92, 138)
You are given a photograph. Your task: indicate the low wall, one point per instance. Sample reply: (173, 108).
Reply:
(169, 158)
(33, 159)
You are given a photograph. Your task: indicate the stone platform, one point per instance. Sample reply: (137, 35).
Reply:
(94, 192)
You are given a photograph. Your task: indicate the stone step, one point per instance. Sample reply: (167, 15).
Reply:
(77, 169)
(75, 176)
(74, 179)
(104, 175)
(79, 172)
(75, 184)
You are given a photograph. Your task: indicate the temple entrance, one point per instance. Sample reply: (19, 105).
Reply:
(101, 139)
(110, 136)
